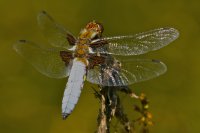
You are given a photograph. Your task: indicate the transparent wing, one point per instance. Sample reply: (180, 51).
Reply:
(139, 43)
(56, 34)
(48, 62)
(131, 71)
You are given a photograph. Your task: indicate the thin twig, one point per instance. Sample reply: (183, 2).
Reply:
(102, 123)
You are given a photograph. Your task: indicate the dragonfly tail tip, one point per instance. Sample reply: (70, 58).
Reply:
(64, 116)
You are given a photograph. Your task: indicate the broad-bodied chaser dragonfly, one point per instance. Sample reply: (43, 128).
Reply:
(89, 57)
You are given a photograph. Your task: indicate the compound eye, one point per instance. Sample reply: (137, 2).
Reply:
(100, 27)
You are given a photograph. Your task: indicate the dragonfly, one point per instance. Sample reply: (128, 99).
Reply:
(92, 57)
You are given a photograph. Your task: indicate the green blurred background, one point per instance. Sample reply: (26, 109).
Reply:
(31, 102)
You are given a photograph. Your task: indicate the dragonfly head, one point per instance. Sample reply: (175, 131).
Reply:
(92, 30)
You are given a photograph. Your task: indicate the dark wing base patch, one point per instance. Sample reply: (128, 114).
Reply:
(66, 56)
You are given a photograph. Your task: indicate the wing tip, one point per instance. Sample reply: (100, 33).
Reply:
(171, 30)
(22, 41)
(172, 35)
(16, 45)
(175, 33)
(43, 17)
(42, 12)
(162, 64)
(156, 61)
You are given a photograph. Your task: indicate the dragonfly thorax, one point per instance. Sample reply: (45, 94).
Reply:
(81, 50)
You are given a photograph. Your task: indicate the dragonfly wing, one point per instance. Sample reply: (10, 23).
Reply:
(131, 71)
(110, 77)
(142, 69)
(48, 62)
(57, 35)
(94, 75)
(139, 43)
